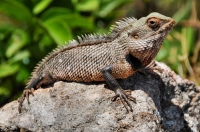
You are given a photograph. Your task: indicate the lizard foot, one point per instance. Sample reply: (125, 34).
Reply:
(125, 96)
(25, 94)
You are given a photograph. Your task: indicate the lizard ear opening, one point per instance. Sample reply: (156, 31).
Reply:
(153, 23)
(134, 35)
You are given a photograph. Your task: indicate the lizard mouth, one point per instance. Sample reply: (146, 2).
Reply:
(163, 30)
(166, 27)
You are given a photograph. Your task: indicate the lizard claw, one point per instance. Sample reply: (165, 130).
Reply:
(25, 94)
(125, 96)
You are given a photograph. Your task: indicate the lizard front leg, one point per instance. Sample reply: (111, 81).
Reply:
(124, 95)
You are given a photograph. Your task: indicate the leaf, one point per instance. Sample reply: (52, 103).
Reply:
(8, 69)
(54, 12)
(86, 5)
(77, 21)
(41, 6)
(73, 20)
(18, 39)
(190, 38)
(22, 75)
(109, 6)
(59, 22)
(162, 54)
(4, 91)
(183, 12)
(59, 31)
(15, 9)
(7, 23)
(20, 56)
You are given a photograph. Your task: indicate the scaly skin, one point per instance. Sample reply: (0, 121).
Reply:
(130, 47)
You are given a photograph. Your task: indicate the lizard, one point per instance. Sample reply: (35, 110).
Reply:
(131, 45)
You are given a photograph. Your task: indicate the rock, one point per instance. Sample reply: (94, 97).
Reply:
(165, 102)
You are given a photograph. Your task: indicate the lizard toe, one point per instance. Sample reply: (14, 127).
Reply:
(124, 96)
(25, 94)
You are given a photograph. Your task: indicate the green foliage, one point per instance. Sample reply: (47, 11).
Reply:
(181, 50)
(31, 29)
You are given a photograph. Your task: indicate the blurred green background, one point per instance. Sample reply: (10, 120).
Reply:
(30, 29)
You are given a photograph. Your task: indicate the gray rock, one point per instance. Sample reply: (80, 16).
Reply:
(165, 102)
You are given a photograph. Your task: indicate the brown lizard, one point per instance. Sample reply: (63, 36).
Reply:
(130, 46)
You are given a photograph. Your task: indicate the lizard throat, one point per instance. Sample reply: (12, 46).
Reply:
(148, 48)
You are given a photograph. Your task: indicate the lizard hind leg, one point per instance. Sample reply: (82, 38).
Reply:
(28, 91)
(35, 84)
(25, 94)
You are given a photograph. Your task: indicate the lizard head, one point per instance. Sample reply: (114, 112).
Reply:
(154, 24)
(145, 36)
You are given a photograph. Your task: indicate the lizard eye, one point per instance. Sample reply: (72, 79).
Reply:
(153, 23)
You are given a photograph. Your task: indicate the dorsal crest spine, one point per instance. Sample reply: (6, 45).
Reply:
(86, 40)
